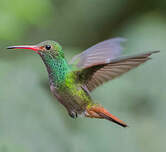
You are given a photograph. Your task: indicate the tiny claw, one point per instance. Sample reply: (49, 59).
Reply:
(73, 115)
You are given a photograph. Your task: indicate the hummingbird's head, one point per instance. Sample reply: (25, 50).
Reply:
(48, 47)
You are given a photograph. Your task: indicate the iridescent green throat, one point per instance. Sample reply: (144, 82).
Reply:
(57, 67)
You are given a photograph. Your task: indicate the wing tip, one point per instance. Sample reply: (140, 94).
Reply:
(152, 52)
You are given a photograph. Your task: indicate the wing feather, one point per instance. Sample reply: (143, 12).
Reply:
(100, 53)
(96, 75)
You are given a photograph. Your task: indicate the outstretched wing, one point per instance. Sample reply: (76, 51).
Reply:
(96, 75)
(100, 53)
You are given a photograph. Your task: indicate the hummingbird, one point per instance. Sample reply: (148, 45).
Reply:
(72, 82)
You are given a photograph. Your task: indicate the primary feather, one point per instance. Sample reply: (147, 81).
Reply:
(96, 75)
(102, 62)
(100, 53)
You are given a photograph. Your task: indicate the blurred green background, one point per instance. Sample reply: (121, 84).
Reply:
(31, 120)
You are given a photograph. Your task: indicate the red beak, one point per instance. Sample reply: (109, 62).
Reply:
(31, 47)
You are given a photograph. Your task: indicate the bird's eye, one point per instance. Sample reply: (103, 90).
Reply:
(48, 47)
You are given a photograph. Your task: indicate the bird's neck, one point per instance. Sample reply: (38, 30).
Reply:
(57, 68)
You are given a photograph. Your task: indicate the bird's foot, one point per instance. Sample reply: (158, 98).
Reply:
(73, 114)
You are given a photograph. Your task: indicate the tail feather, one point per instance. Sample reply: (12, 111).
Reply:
(100, 112)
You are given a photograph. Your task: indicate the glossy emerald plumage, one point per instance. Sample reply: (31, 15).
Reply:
(63, 79)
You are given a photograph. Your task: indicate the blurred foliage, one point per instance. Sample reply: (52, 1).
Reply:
(31, 120)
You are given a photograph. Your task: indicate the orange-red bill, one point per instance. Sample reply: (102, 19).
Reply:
(30, 47)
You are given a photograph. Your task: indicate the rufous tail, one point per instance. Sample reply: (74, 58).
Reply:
(97, 111)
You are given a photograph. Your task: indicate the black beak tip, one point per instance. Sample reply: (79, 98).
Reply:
(10, 47)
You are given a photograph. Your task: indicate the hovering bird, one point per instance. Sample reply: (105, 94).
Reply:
(71, 83)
